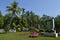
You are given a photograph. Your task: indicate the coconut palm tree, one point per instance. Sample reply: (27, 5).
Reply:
(14, 9)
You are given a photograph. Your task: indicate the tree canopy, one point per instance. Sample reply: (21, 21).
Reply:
(18, 18)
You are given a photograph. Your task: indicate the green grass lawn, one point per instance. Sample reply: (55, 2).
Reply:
(24, 36)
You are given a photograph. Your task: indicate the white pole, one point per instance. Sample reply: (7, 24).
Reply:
(53, 24)
(56, 34)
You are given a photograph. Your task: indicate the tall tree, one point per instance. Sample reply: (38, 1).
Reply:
(14, 9)
(57, 23)
(45, 23)
(1, 20)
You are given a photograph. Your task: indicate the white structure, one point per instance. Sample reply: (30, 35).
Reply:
(56, 34)
(2, 30)
(53, 24)
(12, 30)
(25, 29)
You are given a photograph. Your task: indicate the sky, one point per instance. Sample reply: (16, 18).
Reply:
(39, 7)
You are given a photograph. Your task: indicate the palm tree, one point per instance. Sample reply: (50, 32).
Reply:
(14, 9)
(23, 10)
(23, 16)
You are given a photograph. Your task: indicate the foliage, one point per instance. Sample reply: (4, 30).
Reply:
(1, 20)
(46, 22)
(14, 9)
(28, 19)
(7, 28)
(18, 29)
(34, 29)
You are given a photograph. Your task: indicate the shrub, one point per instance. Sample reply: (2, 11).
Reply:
(7, 28)
(19, 29)
(34, 29)
(41, 30)
(49, 31)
